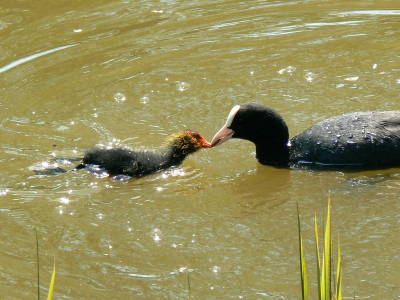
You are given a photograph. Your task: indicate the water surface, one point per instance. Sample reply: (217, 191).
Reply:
(75, 74)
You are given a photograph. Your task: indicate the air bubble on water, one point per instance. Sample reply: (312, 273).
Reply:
(119, 97)
(216, 269)
(4, 192)
(182, 86)
(290, 69)
(144, 99)
(156, 234)
(352, 78)
(310, 76)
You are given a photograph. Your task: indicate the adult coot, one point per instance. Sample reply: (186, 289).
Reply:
(369, 139)
(137, 163)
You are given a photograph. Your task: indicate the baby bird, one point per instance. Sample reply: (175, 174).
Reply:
(138, 163)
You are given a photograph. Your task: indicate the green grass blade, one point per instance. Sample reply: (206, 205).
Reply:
(37, 256)
(303, 271)
(327, 254)
(318, 257)
(331, 275)
(190, 293)
(53, 278)
(338, 295)
(329, 283)
(303, 265)
(325, 281)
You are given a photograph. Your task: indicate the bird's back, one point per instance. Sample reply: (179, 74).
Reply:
(363, 138)
(124, 161)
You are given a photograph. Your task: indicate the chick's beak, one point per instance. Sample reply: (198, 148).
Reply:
(204, 143)
(223, 135)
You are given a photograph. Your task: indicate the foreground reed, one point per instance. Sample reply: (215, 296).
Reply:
(326, 279)
(53, 275)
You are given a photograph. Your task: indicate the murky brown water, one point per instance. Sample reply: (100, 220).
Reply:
(228, 221)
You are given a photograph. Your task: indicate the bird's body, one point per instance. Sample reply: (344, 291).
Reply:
(364, 139)
(361, 138)
(120, 161)
(137, 163)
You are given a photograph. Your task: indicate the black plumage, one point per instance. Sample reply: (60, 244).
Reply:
(137, 163)
(364, 139)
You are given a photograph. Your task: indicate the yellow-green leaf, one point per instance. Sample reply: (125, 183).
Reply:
(53, 278)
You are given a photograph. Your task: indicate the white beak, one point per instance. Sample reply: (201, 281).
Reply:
(223, 135)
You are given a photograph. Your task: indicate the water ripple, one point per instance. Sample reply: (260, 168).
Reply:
(32, 57)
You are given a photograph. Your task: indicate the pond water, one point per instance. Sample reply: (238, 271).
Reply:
(78, 73)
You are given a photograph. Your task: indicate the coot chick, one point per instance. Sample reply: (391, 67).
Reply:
(137, 163)
(369, 139)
